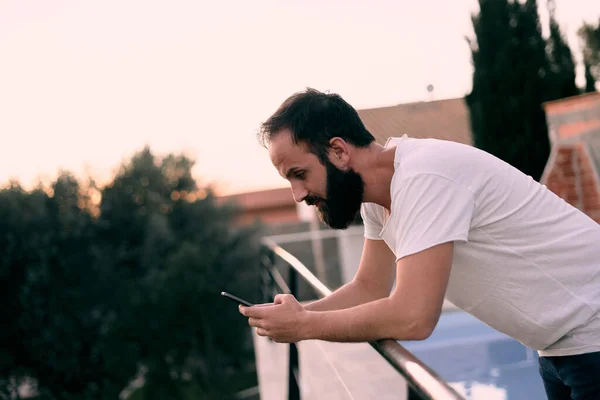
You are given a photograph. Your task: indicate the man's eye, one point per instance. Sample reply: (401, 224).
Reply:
(300, 175)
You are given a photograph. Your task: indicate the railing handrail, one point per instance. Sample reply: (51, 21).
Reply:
(422, 379)
(319, 233)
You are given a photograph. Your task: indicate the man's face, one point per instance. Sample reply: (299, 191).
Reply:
(337, 194)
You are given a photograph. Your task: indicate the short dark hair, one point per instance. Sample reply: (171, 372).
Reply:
(315, 118)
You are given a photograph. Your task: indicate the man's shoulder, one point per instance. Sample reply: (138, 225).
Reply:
(451, 160)
(430, 149)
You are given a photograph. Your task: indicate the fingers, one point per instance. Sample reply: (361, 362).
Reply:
(260, 329)
(283, 298)
(255, 312)
(255, 322)
(278, 299)
(261, 332)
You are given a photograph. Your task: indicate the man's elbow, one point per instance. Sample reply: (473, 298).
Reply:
(419, 328)
(423, 330)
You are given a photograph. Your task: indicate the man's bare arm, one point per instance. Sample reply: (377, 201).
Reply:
(410, 313)
(373, 281)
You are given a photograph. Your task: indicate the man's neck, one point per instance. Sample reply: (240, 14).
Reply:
(376, 166)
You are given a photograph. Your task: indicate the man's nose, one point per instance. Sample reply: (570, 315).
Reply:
(299, 193)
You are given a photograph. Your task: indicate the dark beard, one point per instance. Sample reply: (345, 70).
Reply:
(345, 191)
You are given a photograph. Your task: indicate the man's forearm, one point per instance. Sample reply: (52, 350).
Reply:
(350, 295)
(379, 319)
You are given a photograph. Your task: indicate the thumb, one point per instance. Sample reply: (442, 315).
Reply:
(280, 298)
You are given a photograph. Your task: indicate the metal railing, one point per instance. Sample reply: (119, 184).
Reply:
(423, 383)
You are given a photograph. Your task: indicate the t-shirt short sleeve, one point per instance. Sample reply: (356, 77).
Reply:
(428, 210)
(372, 220)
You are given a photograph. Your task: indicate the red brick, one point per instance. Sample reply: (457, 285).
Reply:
(588, 177)
(563, 159)
(564, 190)
(568, 182)
(586, 168)
(583, 158)
(589, 187)
(592, 207)
(562, 169)
(591, 200)
(554, 190)
(593, 214)
(565, 151)
(587, 172)
(571, 197)
(563, 162)
(569, 187)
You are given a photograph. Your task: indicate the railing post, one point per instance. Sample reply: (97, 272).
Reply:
(293, 370)
(271, 284)
(267, 261)
(262, 273)
(413, 394)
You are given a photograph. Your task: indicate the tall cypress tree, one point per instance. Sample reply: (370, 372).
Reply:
(562, 68)
(590, 82)
(590, 35)
(510, 76)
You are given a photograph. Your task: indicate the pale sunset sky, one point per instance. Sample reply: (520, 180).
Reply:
(85, 84)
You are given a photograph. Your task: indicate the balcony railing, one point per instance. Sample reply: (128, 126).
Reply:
(423, 383)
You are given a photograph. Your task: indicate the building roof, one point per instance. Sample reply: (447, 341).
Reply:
(568, 104)
(441, 119)
(263, 199)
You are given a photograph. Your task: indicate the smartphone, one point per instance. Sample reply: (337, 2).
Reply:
(236, 299)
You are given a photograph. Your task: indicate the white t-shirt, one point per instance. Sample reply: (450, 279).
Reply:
(525, 262)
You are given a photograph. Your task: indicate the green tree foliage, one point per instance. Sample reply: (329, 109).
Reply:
(101, 285)
(50, 295)
(562, 68)
(590, 81)
(590, 36)
(510, 82)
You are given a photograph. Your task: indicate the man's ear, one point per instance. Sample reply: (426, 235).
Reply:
(339, 152)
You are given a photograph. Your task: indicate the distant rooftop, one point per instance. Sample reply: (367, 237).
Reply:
(441, 119)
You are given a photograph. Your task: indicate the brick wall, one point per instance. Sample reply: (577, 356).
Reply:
(572, 176)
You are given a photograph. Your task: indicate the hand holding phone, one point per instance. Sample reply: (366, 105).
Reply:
(236, 299)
